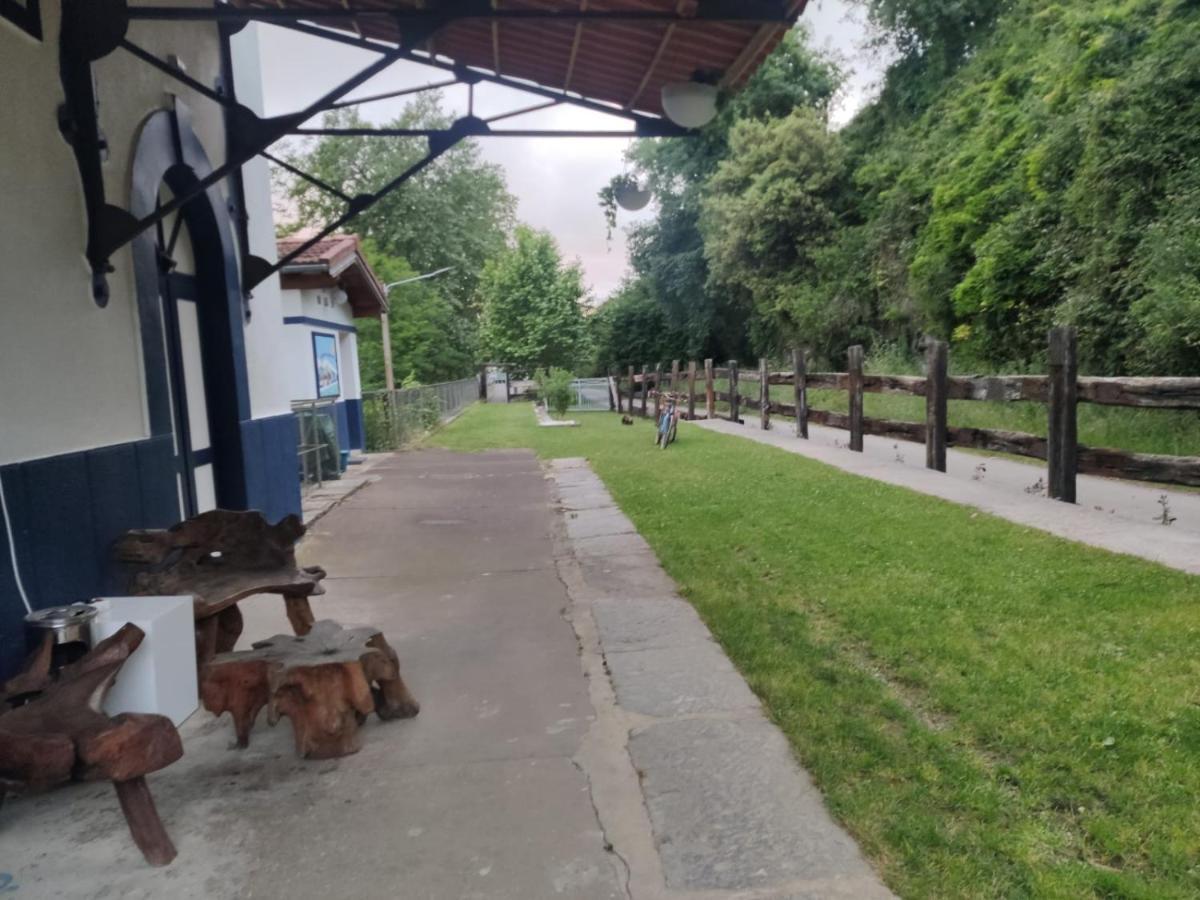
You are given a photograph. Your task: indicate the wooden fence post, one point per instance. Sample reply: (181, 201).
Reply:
(691, 407)
(734, 399)
(645, 385)
(614, 402)
(855, 385)
(632, 388)
(710, 399)
(483, 383)
(1062, 447)
(764, 393)
(675, 376)
(800, 386)
(936, 359)
(657, 392)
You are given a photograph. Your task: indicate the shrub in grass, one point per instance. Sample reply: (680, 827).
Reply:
(554, 388)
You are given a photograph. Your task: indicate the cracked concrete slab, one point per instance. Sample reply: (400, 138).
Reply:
(734, 811)
(679, 681)
(645, 623)
(598, 523)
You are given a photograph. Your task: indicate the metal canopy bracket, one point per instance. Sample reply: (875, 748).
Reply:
(93, 29)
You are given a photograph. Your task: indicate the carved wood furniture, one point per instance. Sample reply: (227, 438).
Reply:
(326, 682)
(220, 558)
(60, 734)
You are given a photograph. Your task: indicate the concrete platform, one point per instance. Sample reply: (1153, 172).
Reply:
(1121, 516)
(510, 595)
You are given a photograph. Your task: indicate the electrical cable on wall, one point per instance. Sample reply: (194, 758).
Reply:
(12, 548)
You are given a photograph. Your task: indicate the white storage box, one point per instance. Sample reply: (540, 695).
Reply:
(160, 676)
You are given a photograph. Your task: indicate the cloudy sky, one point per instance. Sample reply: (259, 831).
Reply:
(555, 180)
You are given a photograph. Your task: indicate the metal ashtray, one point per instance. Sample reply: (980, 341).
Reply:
(68, 624)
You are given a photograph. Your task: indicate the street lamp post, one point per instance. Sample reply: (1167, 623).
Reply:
(388, 371)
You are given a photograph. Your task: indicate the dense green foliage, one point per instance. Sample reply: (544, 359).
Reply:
(1027, 163)
(667, 254)
(993, 712)
(461, 199)
(532, 306)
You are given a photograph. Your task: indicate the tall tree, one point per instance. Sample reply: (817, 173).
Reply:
(430, 341)
(533, 314)
(668, 252)
(456, 213)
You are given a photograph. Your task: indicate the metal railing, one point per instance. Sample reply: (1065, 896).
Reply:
(318, 449)
(396, 418)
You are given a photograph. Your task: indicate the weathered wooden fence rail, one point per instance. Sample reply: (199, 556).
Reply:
(1062, 390)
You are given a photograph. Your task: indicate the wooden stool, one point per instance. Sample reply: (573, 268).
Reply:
(60, 734)
(326, 682)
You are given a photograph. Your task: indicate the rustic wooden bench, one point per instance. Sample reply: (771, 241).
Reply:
(220, 558)
(326, 682)
(59, 734)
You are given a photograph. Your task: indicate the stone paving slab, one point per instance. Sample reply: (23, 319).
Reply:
(626, 575)
(679, 681)
(645, 623)
(738, 812)
(611, 545)
(598, 523)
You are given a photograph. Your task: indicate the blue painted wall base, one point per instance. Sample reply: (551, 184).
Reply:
(67, 510)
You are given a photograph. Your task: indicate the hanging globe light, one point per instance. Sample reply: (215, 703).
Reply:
(690, 104)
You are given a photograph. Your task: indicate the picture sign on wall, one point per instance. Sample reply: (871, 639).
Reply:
(329, 381)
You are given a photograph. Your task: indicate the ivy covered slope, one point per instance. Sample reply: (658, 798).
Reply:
(1027, 163)
(1052, 177)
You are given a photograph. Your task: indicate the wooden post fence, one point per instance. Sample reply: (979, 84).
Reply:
(675, 376)
(645, 384)
(855, 386)
(710, 398)
(614, 392)
(936, 358)
(1062, 447)
(691, 407)
(764, 393)
(632, 385)
(734, 400)
(800, 385)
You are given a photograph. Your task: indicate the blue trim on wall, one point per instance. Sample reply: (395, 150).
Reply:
(272, 466)
(66, 511)
(357, 424)
(319, 323)
(341, 419)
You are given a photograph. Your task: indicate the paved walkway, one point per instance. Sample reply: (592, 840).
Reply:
(1121, 516)
(529, 774)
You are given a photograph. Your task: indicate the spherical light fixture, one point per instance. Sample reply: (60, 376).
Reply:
(631, 196)
(691, 104)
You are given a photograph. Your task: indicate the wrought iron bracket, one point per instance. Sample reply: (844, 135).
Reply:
(93, 29)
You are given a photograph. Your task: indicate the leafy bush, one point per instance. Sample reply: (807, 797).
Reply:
(554, 389)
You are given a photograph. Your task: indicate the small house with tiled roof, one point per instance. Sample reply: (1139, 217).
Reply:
(326, 288)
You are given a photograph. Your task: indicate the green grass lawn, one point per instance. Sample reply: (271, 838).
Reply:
(991, 711)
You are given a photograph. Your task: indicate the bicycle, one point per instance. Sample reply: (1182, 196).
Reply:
(668, 423)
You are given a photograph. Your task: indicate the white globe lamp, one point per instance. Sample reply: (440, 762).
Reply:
(690, 104)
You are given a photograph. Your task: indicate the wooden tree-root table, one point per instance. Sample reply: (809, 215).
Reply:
(61, 734)
(326, 682)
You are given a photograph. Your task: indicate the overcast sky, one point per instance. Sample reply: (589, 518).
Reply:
(555, 180)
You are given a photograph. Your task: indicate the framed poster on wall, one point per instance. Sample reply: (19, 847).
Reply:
(325, 361)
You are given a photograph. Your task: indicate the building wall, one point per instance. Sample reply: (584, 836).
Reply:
(324, 311)
(79, 463)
